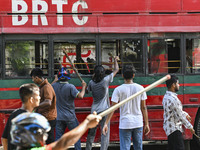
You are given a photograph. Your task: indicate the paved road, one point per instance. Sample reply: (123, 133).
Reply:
(159, 145)
(146, 146)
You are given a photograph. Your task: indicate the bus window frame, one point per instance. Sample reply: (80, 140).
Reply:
(71, 37)
(23, 37)
(98, 38)
(189, 36)
(126, 36)
(167, 36)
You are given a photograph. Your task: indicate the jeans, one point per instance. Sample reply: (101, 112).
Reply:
(125, 138)
(104, 138)
(61, 125)
(51, 137)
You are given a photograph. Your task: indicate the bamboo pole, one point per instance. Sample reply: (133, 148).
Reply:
(151, 86)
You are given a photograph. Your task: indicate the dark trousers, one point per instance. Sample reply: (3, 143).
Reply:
(51, 137)
(175, 141)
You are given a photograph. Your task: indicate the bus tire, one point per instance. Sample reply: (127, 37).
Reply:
(197, 129)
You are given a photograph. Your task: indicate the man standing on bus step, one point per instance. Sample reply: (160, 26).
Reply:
(131, 113)
(30, 97)
(47, 105)
(174, 116)
(65, 96)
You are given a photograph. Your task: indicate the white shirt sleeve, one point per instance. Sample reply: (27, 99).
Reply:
(115, 96)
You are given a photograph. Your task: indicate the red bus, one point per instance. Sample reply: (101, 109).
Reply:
(157, 36)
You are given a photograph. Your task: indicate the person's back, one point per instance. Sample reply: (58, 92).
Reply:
(99, 86)
(65, 95)
(100, 93)
(130, 112)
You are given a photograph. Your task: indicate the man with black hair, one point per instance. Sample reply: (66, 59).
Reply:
(131, 113)
(174, 116)
(65, 95)
(29, 94)
(47, 105)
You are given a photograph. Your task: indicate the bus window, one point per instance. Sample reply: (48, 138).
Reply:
(164, 56)
(109, 49)
(192, 56)
(22, 56)
(132, 54)
(81, 53)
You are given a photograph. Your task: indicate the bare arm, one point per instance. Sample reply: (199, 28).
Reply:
(105, 127)
(116, 66)
(74, 135)
(55, 79)
(4, 143)
(82, 93)
(145, 115)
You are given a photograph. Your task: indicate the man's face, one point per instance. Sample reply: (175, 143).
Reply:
(36, 79)
(176, 86)
(36, 98)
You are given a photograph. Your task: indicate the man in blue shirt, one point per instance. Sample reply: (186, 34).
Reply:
(65, 95)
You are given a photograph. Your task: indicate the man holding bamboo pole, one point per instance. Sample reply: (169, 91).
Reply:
(131, 113)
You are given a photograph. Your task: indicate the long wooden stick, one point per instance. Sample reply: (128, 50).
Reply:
(151, 86)
(196, 136)
(73, 66)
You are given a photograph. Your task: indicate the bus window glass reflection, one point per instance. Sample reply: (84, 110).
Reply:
(22, 56)
(164, 56)
(81, 53)
(192, 56)
(132, 54)
(109, 49)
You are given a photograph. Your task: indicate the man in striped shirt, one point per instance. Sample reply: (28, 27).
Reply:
(174, 116)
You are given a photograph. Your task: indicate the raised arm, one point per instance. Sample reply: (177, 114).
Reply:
(116, 66)
(82, 93)
(74, 135)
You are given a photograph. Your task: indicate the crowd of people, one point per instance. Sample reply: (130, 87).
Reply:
(50, 107)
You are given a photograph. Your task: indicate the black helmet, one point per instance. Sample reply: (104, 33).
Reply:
(63, 74)
(29, 130)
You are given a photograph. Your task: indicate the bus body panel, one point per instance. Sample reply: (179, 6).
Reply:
(110, 6)
(10, 100)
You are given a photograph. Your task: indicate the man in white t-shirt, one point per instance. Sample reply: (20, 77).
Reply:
(131, 113)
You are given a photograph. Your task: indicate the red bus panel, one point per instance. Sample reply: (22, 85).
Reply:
(66, 6)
